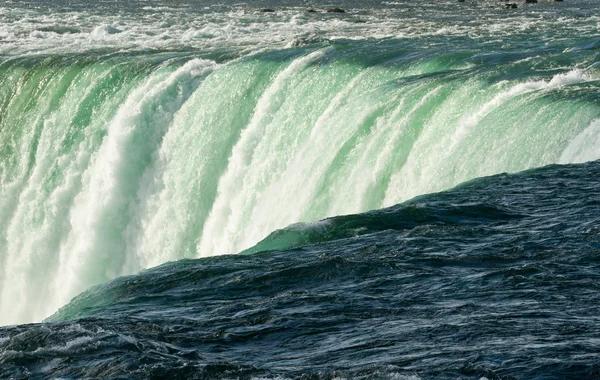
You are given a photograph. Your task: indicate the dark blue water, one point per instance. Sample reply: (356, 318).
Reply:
(498, 278)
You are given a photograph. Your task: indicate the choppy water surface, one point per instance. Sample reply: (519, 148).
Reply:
(228, 28)
(133, 134)
(498, 278)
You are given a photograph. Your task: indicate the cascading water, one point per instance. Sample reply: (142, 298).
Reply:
(113, 163)
(117, 172)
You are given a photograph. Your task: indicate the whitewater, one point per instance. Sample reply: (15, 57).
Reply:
(163, 133)
(266, 190)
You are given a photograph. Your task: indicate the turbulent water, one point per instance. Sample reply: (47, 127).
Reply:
(137, 133)
(497, 279)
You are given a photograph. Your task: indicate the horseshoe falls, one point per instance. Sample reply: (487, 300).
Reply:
(217, 190)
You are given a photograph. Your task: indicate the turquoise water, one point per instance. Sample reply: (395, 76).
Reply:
(136, 134)
(202, 190)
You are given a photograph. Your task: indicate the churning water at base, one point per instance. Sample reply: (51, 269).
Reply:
(159, 132)
(498, 279)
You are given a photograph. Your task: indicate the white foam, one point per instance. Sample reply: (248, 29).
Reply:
(223, 226)
(399, 376)
(102, 31)
(69, 346)
(30, 245)
(444, 154)
(305, 168)
(242, 28)
(469, 122)
(40, 34)
(57, 241)
(376, 153)
(584, 147)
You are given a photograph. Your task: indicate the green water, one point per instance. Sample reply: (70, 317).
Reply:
(115, 159)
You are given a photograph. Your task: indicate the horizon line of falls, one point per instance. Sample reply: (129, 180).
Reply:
(115, 164)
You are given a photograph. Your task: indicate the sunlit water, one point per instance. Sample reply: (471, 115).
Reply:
(140, 133)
